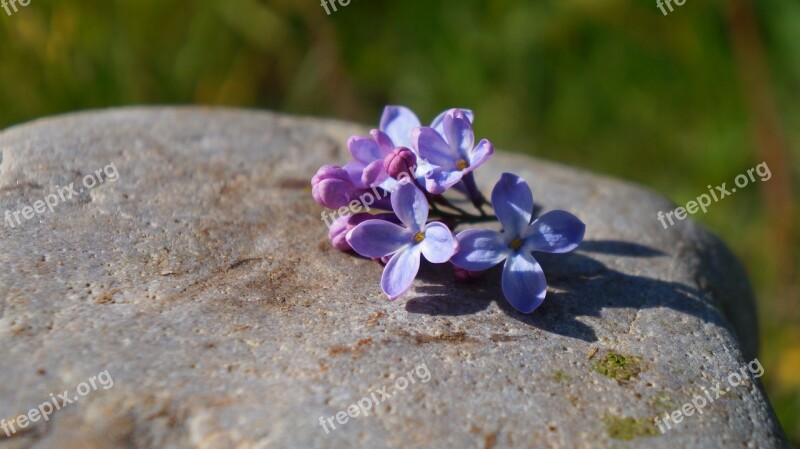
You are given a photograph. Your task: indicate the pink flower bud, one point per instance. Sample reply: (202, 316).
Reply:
(463, 275)
(400, 160)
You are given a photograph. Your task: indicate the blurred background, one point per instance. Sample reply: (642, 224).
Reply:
(674, 102)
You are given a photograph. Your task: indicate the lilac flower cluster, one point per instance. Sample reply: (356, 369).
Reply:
(411, 166)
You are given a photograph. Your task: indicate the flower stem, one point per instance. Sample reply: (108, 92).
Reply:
(463, 218)
(445, 202)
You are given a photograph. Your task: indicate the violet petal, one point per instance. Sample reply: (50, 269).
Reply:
(378, 238)
(480, 154)
(397, 122)
(438, 122)
(524, 284)
(557, 231)
(431, 146)
(399, 273)
(480, 249)
(364, 149)
(512, 202)
(458, 132)
(410, 205)
(438, 180)
(439, 244)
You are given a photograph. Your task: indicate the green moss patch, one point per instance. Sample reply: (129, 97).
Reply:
(662, 402)
(628, 428)
(621, 367)
(560, 377)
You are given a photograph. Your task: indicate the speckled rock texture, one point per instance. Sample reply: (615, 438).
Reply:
(203, 281)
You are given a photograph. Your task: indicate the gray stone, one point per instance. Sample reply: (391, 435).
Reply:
(203, 281)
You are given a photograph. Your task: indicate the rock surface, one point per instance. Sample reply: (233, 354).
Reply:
(202, 280)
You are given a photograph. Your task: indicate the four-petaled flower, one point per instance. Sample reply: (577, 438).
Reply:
(398, 122)
(369, 152)
(380, 238)
(450, 151)
(523, 281)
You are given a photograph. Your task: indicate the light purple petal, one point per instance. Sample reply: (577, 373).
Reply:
(438, 180)
(458, 133)
(423, 168)
(364, 149)
(355, 171)
(430, 146)
(400, 272)
(512, 202)
(438, 122)
(410, 205)
(480, 249)
(439, 244)
(374, 174)
(480, 154)
(557, 231)
(524, 285)
(390, 185)
(378, 238)
(397, 122)
(384, 141)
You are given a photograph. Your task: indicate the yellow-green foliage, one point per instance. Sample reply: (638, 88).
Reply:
(621, 367)
(628, 428)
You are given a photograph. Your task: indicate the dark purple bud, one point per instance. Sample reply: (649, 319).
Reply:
(400, 160)
(463, 275)
(337, 232)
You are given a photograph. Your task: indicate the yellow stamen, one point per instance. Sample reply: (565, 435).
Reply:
(419, 237)
(461, 164)
(516, 243)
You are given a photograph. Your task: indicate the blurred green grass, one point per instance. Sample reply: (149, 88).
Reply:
(609, 85)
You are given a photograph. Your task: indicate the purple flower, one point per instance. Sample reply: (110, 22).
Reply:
(524, 284)
(451, 152)
(398, 122)
(369, 153)
(379, 238)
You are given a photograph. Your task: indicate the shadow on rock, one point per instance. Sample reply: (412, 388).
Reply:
(578, 286)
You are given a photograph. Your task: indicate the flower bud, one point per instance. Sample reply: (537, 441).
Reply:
(337, 232)
(400, 160)
(463, 275)
(332, 187)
